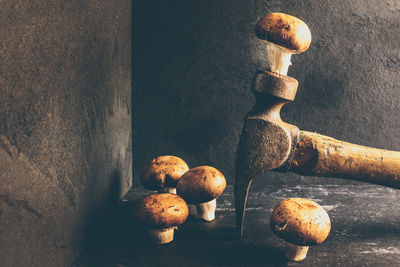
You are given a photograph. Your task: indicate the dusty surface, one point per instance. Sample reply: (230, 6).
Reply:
(65, 124)
(365, 232)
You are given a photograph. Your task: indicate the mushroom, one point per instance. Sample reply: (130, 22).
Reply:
(201, 186)
(162, 173)
(285, 35)
(161, 214)
(301, 223)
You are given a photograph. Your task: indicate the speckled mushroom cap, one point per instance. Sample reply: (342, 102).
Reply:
(201, 184)
(161, 211)
(285, 31)
(300, 221)
(163, 171)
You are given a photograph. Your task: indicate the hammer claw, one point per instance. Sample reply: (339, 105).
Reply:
(242, 185)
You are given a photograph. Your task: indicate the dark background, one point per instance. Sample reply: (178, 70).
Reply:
(194, 61)
(66, 109)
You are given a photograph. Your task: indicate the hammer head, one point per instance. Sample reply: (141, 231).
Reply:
(264, 146)
(267, 143)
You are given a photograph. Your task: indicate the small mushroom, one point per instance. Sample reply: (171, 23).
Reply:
(162, 173)
(285, 35)
(161, 214)
(301, 223)
(201, 186)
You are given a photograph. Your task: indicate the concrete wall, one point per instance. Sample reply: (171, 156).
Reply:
(65, 124)
(195, 61)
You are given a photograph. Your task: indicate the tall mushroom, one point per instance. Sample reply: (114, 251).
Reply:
(161, 214)
(162, 173)
(201, 186)
(285, 35)
(301, 223)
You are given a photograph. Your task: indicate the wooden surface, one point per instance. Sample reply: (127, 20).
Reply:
(325, 156)
(365, 232)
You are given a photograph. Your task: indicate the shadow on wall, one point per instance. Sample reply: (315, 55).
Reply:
(97, 231)
(115, 135)
(200, 133)
(191, 86)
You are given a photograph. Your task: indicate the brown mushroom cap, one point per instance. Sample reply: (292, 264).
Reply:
(160, 211)
(163, 171)
(201, 184)
(300, 221)
(285, 31)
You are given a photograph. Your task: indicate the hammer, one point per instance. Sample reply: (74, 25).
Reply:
(269, 144)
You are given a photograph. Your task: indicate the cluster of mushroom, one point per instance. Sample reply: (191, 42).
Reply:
(177, 186)
(300, 222)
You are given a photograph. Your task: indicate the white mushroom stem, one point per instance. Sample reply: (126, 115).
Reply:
(206, 211)
(279, 59)
(295, 253)
(171, 190)
(162, 236)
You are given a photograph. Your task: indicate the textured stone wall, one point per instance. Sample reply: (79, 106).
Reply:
(195, 61)
(65, 124)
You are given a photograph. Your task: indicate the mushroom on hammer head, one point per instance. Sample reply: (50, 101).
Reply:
(285, 35)
(161, 214)
(301, 223)
(162, 173)
(201, 186)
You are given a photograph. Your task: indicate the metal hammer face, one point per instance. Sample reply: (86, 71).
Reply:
(267, 143)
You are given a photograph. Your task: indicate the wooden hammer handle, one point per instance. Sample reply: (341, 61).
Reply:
(321, 155)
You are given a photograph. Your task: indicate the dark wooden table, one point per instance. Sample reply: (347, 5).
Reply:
(365, 232)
